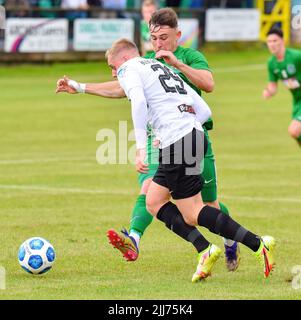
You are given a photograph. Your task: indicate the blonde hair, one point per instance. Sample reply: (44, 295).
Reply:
(121, 45)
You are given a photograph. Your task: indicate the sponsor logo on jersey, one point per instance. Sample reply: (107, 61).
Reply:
(121, 72)
(186, 108)
(291, 69)
(208, 181)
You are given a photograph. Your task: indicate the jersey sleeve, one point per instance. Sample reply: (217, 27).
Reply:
(129, 79)
(139, 116)
(196, 60)
(201, 108)
(132, 84)
(297, 60)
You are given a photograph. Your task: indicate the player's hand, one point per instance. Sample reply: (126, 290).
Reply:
(141, 166)
(156, 143)
(266, 94)
(168, 57)
(65, 85)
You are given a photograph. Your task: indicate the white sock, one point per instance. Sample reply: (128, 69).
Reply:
(228, 242)
(136, 236)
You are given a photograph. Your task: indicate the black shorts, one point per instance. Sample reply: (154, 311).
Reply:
(179, 167)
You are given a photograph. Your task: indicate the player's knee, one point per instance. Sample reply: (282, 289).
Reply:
(152, 206)
(293, 132)
(213, 204)
(145, 186)
(190, 220)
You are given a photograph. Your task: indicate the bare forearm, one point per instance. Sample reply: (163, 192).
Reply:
(270, 90)
(201, 78)
(110, 89)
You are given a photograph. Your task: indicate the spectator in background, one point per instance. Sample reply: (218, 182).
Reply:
(23, 5)
(94, 4)
(130, 4)
(75, 4)
(147, 9)
(117, 5)
(48, 4)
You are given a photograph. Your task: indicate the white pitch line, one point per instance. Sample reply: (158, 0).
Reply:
(63, 190)
(123, 192)
(261, 199)
(43, 160)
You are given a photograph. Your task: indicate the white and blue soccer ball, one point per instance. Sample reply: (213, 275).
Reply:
(36, 255)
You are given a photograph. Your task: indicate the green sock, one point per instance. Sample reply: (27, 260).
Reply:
(224, 209)
(299, 140)
(141, 218)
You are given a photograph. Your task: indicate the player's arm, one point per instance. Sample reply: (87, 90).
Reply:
(132, 84)
(201, 78)
(109, 89)
(270, 90)
(201, 108)
(139, 116)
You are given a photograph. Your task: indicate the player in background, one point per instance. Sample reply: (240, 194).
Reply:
(193, 68)
(148, 7)
(161, 99)
(285, 65)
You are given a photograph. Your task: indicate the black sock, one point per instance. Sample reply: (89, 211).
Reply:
(172, 217)
(219, 223)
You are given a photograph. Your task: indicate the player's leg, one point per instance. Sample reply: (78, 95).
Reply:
(186, 193)
(128, 243)
(159, 205)
(219, 223)
(294, 130)
(169, 213)
(209, 195)
(179, 173)
(141, 218)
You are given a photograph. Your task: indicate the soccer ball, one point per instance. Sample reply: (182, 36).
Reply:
(36, 255)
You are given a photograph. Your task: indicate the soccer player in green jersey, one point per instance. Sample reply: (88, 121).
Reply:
(285, 65)
(192, 66)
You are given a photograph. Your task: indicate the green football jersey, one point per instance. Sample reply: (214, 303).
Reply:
(192, 58)
(288, 71)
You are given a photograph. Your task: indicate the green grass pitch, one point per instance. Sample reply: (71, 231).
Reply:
(52, 186)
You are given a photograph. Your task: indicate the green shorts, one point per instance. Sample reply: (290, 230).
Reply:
(209, 190)
(296, 113)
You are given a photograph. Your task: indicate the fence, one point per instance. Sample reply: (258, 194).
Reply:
(64, 34)
(65, 21)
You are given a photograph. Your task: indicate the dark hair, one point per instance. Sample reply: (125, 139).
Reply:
(164, 17)
(277, 31)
